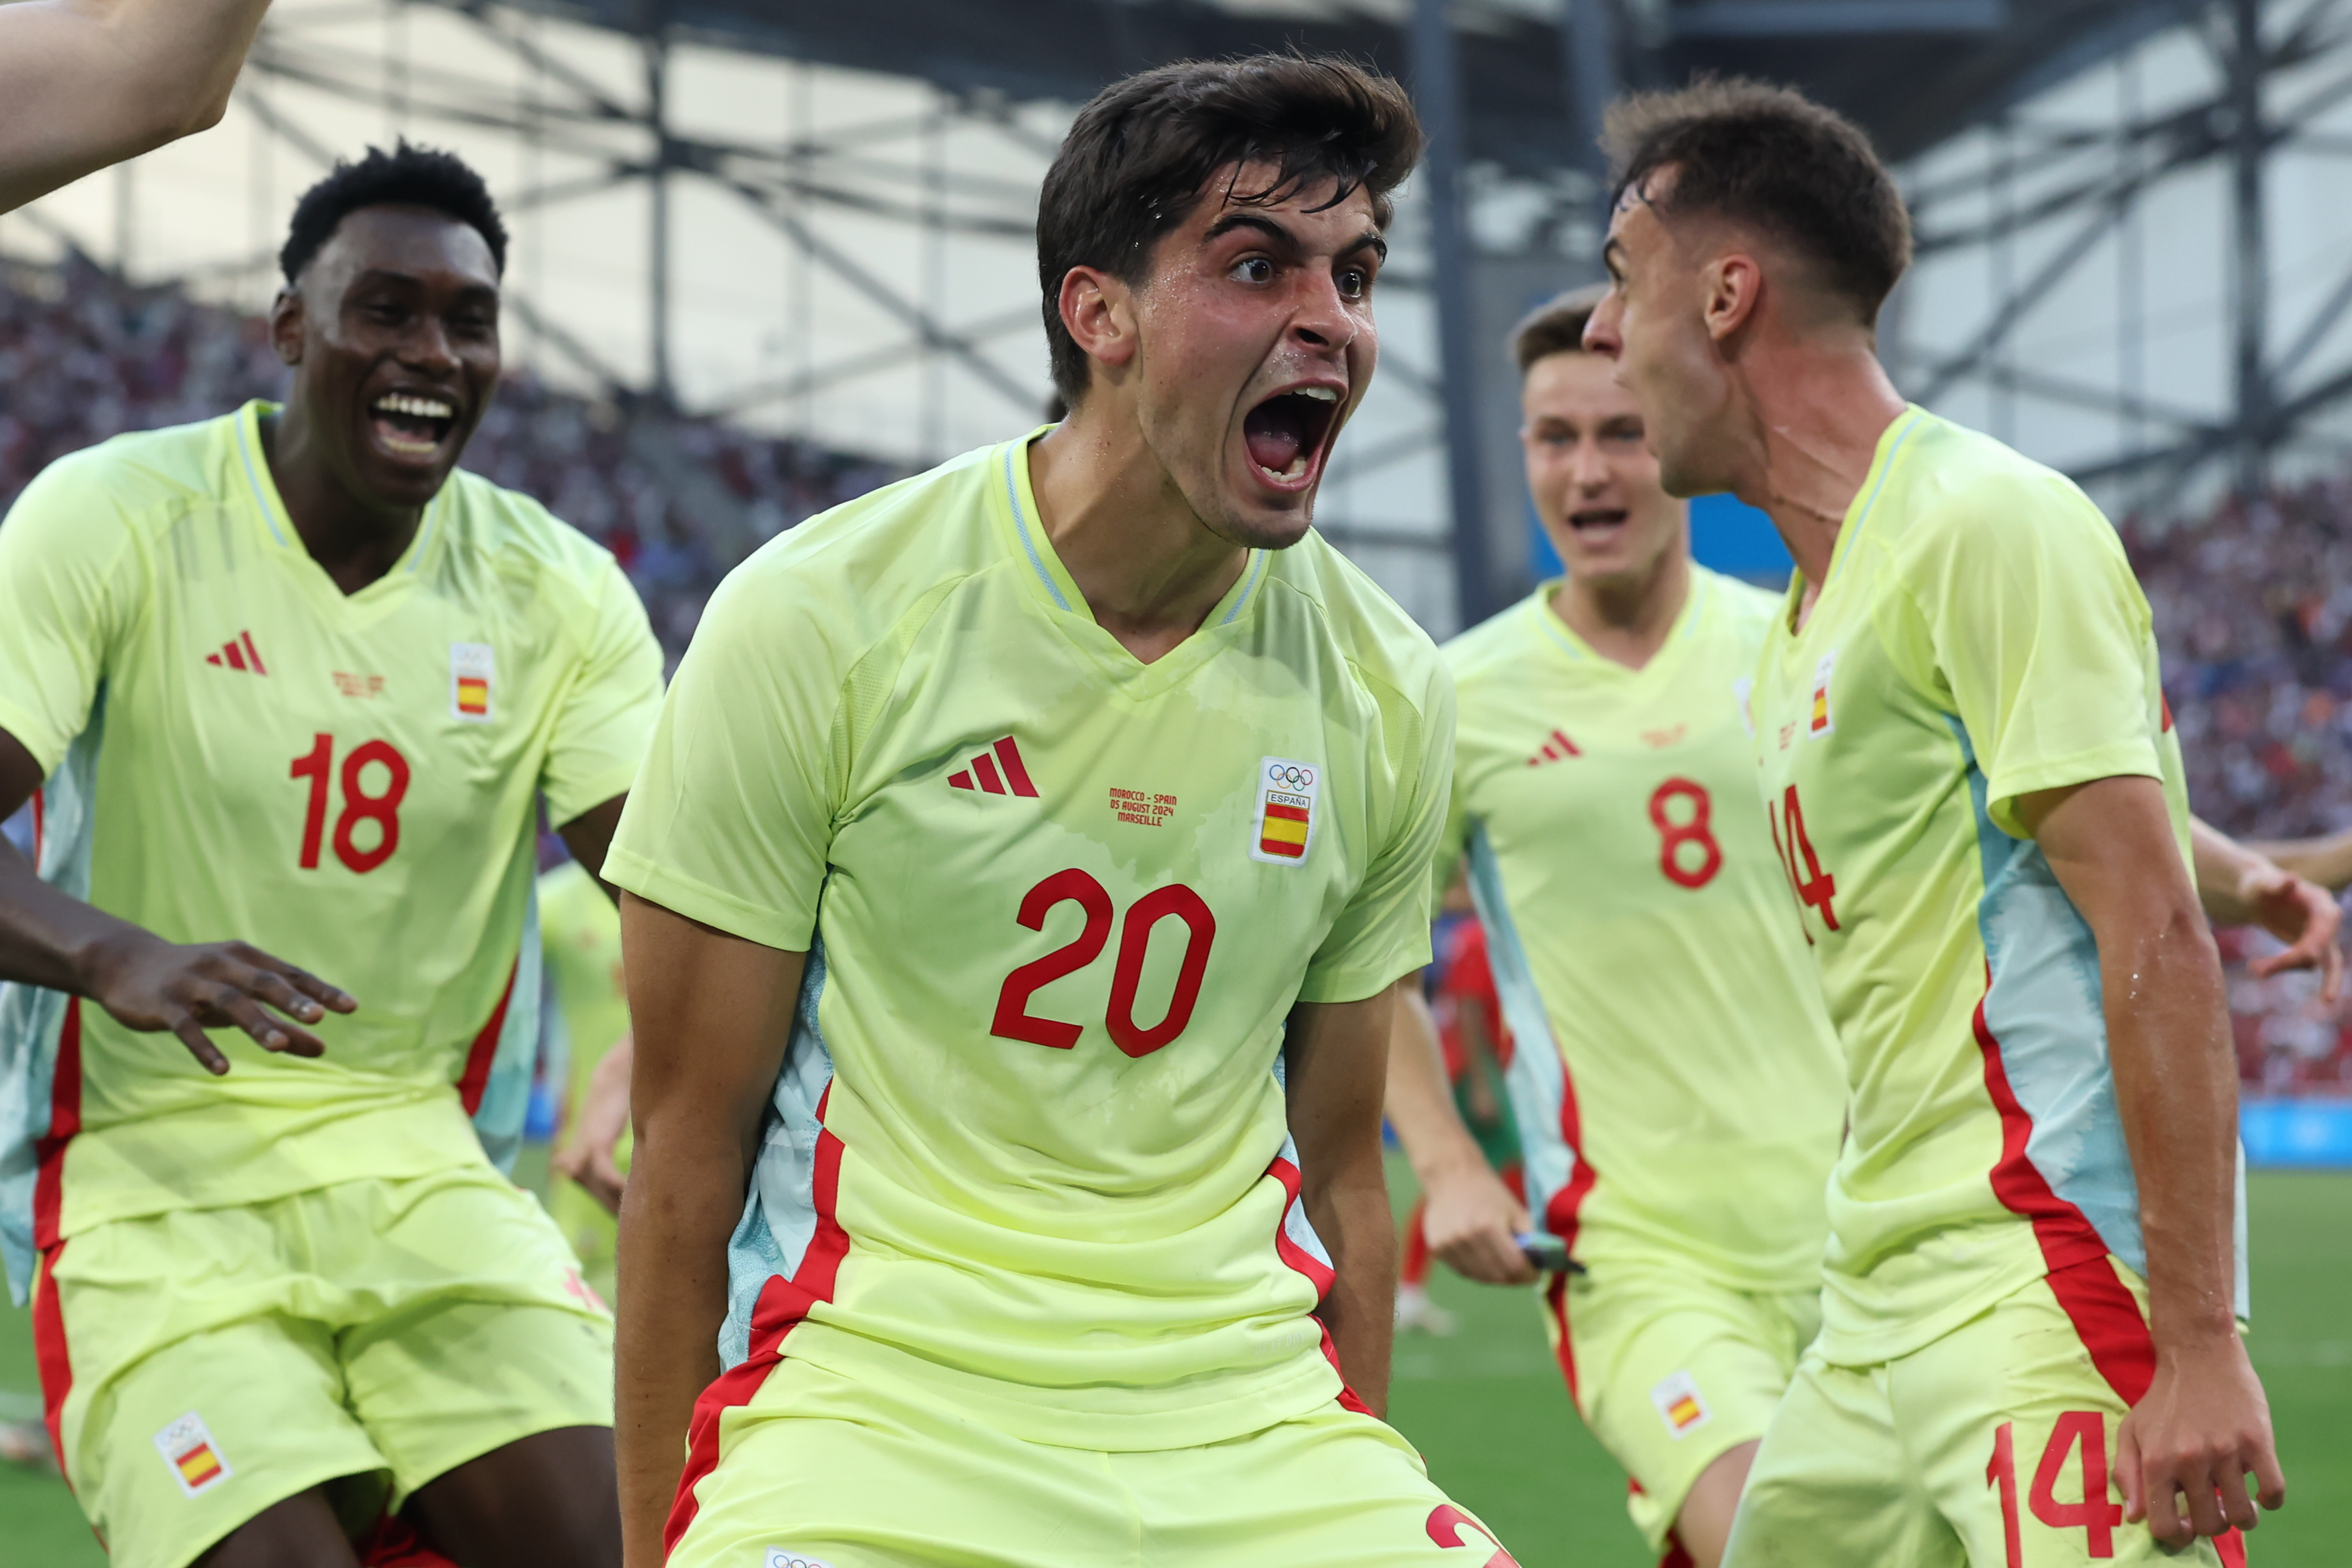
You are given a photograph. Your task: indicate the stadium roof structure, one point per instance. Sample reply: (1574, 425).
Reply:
(1913, 71)
(818, 219)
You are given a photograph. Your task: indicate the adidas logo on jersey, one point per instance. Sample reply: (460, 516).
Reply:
(984, 774)
(1555, 746)
(240, 654)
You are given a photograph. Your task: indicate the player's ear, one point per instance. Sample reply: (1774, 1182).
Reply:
(1733, 286)
(285, 325)
(1099, 310)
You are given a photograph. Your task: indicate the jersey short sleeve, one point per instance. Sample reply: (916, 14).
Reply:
(1383, 933)
(69, 561)
(601, 728)
(2039, 632)
(731, 817)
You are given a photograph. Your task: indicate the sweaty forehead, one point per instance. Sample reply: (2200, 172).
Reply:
(1309, 200)
(416, 241)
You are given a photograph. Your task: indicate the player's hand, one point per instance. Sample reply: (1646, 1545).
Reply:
(1473, 1223)
(150, 984)
(594, 1168)
(588, 1154)
(2203, 1425)
(2303, 914)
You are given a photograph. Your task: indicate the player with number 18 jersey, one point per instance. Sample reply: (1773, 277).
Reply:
(304, 1286)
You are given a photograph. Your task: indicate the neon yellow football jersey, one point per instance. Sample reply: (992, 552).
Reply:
(1978, 636)
(233, 748)
(1675, 1081)
(1028, 1148)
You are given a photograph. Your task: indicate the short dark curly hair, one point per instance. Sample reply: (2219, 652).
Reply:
(1771, 158)
(1139, 157)
(407, 176)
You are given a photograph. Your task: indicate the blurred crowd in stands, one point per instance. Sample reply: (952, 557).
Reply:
(84, 356)
(2252, 603)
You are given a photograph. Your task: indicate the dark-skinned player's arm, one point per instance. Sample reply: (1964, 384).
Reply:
(2204, 1424)
(85, 83)
(1470, 1220)
(713, 1015)
(589, 837)
(1335, 1057)
(2240, 885)
(47, 938)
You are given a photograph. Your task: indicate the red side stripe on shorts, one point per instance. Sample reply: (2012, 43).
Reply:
(475, 1079)
(1556, 1303)
(783, 1303)
(1318, 1273)
(49, 1350)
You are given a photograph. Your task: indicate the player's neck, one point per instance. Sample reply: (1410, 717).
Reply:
(1626, 619)
(354, 542)
(1149, 570)
(1817, 414)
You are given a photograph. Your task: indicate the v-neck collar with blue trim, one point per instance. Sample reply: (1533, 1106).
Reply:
(261, 489)
(1559, 634)
(1050, 583)
(1891, 442)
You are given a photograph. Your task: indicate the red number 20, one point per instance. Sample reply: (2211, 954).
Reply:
(359, 806)
(1014, 1019)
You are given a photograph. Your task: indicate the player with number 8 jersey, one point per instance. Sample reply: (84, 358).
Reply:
(256, 715)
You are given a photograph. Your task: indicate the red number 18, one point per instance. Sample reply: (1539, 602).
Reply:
(359, 806)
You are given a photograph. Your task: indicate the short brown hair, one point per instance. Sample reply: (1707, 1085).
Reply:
(1139, 157)
(1556, 327)
(1770, 157)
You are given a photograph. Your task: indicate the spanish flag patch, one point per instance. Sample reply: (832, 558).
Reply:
(194, 1459)
(1679, 1404)
(472, 668)
(1285, 828)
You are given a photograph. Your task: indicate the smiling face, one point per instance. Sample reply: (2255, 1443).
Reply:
(1253, 344)
(393, 331)
(1590, 472)
(1653, 324)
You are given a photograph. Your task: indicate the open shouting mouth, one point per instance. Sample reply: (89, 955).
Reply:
(1597, 525)
(1288, 433)
(411, 425)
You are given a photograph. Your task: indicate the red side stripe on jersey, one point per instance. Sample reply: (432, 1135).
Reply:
(40, 823)
(49, 1186)
(1318, 1274)
(65, 1121)
(1015, 772)
(782, 1304)
(252, 653)
(49, 1350)
(985, 769)
(2233, 1548)
(2080, 1274)
(1675, 1556)
(1561, 1214)
(475, 1079)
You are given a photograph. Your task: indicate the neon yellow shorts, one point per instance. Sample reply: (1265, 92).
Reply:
(819, 1471)
(1991, 1446)
(202, 1365)
(1671, 1372)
